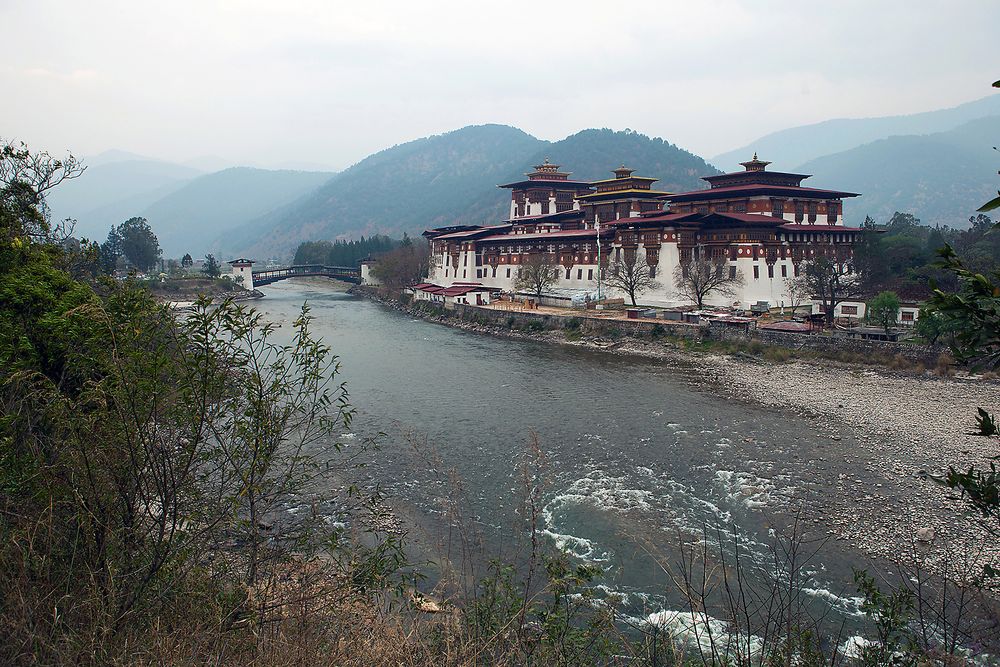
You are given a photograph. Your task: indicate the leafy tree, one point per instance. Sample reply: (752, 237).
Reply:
(932, 326)
(186, 261)
(697, 280)
(883, 310)
(111, 251)
(973, 316)
(825, 280)
(537, 273)
(139, 244)
(630, 275)
(212, 268)
(891, 613)
(974, 313)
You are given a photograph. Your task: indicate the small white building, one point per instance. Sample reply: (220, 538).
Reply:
(366, 273)
(242, 273)
(907, 316)
(426, 292)
(467, 293)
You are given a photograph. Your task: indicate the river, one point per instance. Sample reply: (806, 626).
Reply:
(638, 458)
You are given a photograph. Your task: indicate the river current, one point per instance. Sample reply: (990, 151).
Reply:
(637, 457)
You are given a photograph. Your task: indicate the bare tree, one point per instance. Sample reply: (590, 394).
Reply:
(698, 279)
(25, 178)
(826, 279)
(538, 273)
(630, 275)
(403, 266)
(797, 290)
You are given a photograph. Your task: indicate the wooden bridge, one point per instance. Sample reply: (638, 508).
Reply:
(350, 274)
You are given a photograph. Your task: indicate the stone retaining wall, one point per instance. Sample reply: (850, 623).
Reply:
(526, 319)
(832, 346)
(925, 354)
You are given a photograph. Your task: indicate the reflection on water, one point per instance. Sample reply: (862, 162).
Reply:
(637, 459)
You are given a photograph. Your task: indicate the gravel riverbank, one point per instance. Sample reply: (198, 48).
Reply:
(890, 433)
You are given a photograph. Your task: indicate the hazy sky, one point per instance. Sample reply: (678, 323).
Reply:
(290, 82)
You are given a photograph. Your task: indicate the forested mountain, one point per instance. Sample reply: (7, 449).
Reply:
(190, 218)
(109, 192)
(405, 188)
(791, 147)
(452, 179)
(941, 178)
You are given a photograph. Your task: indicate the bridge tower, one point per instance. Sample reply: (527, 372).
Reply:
(243, 268)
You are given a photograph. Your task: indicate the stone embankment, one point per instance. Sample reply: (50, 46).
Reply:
(894, 431)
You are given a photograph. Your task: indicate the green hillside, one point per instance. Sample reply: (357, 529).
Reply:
(452, 179)
(941, 178)
(405, 188)
(190, 218)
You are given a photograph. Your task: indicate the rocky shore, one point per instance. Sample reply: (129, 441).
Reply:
(891, 432)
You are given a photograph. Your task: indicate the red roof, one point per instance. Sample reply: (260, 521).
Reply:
(548, 183)
(656, 217)
(424, 286)
(470, 232)
(546, 216)
(794, 327)
(796, 227)
(459, 290)
(787, 190)
(571, 233)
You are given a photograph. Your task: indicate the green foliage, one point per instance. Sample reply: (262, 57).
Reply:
(187, 261)
(146, 463)
(902, 255)
(212, 269)
(559, 625)
(986, 424)
(890, 615)
(934, 326)
(342, 253)
(883, 310)
(134, 241)
(974, 311)
(139, 244)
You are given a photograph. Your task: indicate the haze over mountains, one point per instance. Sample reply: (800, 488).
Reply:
(798, 145)
(451, 179)
(938, 165)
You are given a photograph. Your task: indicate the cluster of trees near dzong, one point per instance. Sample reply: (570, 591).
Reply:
(344, 253)
(901, 255)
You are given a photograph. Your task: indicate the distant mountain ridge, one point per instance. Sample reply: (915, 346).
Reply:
(797, 145)
(451, 179)
(106, 191)
(941, 178)
(191, 217)
(896, 163)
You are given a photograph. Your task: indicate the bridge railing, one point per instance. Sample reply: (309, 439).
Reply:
(271, 275)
